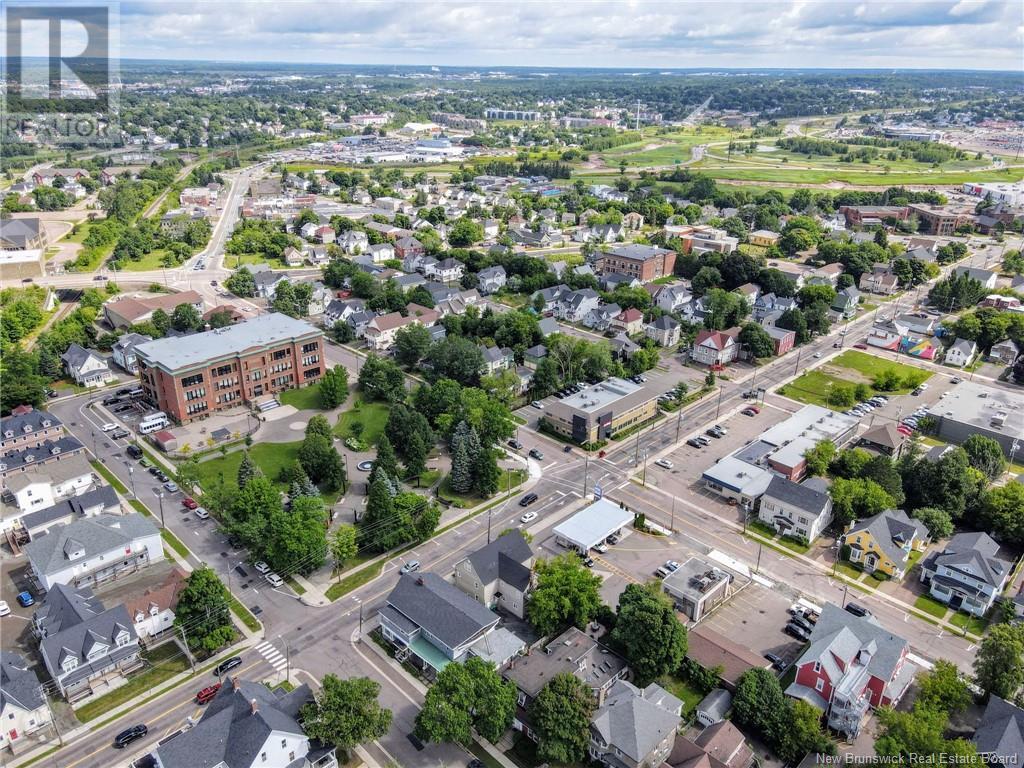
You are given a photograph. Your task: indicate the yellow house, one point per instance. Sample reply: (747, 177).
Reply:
(884, 542)
(764, 238)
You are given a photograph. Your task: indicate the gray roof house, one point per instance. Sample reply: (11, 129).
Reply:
(123, 351)
(576, 305)
(433, 622)
(22, 706)
(664, 331)
(1005, 352)
(884, 542)
(803, 510)
(499, 574)
(245, 725)
(83, 644)
(966, 575)
(961, 352)
(86, 367)
(1000, 734)
(634, 726)
(491, 279)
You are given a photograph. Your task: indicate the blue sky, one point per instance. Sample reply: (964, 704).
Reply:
(938, 34)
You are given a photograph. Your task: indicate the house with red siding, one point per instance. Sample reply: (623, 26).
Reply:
(851, 664)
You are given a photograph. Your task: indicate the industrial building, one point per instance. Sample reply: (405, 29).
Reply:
(601, 410)
(974, 409)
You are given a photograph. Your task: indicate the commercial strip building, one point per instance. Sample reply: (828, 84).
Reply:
(974, 409)
(601, 410)
(592, 525)
(188, 377)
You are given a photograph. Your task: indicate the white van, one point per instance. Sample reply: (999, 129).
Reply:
(153, 422)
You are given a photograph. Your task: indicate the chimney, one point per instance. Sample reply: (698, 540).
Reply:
(252, 706)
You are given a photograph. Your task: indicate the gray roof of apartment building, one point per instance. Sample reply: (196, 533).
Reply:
(1001, 730)
(635, 721)
(491, 272)
(504, 558)
(635, 251)
(804, 497)
(104, 497)
(235, 727)
(665, 323)
(20, 231)
(91, 535)
(27, 423)
(258, 332)
(976, 404)
(44, 455)
(19, 685)
(888, 526)
(563, 654)
(973, 554)
(440, 608)
(66, 606)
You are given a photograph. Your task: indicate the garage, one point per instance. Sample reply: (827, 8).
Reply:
(592, 525)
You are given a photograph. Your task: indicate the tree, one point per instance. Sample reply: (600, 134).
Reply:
(560, 716)
(251, 510)
(467, 696)
(465, 232)
(999, 664)
(247, 470)
(812, 294)
(461, 477)
(381, 379)
(756, 340)
(319, 425)
(985, 455)
(759, 704)
(22, 384)
(380, 529)
(456, 358)
(345, 712)
(794, 320)
(820, 457)
(486, 474)
(647, 629)
(944, 689)
(161, 321)
(918, 736)
(203, 613)
(566, 593)
(937, 521)
(241, 283)
(1002, 512)
(855, 499)
(333, 387)
(706, 279)
(220, 319)
(296, 540)
(416, 452)
(412, 344)
(342, 545)
(804, 733)
(186, 318)
(385, 460)
(187, 475)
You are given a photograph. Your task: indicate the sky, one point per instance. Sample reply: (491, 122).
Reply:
(938, 34)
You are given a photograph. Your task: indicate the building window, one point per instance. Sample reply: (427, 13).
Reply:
(278, 355)
(191, 381)
(312, 373)
(284, 743)
(311, 347)
(224, 370)
(819, 685)
(263, 756)
(817, 667)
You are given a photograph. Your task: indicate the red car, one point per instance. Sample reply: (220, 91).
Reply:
(860, 346)
(206, 695)
(751, 410)
(189, 503)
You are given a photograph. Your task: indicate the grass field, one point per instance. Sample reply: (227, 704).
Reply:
(304, 398)
(166, 661)
(853, 176)
(815, 385)
(683, 691)
(373, 417)
(973, 624)
(149, 262)
(510, 478)
(354, 580)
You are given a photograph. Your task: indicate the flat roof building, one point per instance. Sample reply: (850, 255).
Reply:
(592, 525)
(974, 409)
(601, 410)
(187, 377)
(697, 586)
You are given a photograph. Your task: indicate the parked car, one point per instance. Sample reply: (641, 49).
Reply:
(127, 736)
(201, 513)
(119, 434)
(567, 449)
(189, 503)
(206, 695)
(4, 608)
(662, 572)
(663, 463)
(614, 539)
(528, 517)
(108, 427)
(955, 380)
(589, 562)
(694, 442)
(702, 440)
(274, 580)
(860, 346)
(227, 665)
(751, 410)
(795, 630)
(261, 567)
(602, 548)
(515, 444)
(538, 404)
(776, 661)
(857, 610)
(111, 400)
(25, 599)
(154, 471)
(409, 567)
(133, 452)
(171, 486)
(528, 499)
(671, 565)
(535, 454)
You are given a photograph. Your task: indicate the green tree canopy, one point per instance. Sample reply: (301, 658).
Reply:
(345, 712)
(653, 639)
(566, 593)
(560, 716)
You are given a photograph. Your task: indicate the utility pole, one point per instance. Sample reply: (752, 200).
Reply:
(672, 525)
(679, 420)
(757, 568)
(160, 496)
(636, 453)
(184, 641)
(846, 590)
(360, 618)
(586, 470)
(718, 410)
(53, 720)
(645, 468)
(131, 477)
(288, 656)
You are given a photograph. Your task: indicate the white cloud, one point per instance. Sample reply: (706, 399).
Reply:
(580, 33)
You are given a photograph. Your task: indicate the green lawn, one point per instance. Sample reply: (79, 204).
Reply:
(849, 571)
(814, 386)
(931, 606)
(304, 398)
(870, 365)
(354, 580)
(683, 691)
(973, 624)
(149, 262)
(849, 176)
(512, 478)
(271, 458)
(373, 417)
(166, 661)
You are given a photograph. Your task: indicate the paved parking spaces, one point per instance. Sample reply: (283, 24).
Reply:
(16, 627)
(754, 617)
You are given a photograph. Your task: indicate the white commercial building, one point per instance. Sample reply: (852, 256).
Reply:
(592, 525)
(1007, 194)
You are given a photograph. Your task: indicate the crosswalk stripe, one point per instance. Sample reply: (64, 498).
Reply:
(263, 646)
(272, 656)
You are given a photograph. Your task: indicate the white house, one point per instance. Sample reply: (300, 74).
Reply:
(714, 348)
(576, 305)
(123, 351)
(354, 242)
(491, 279)
(94, 550)
(673, 298)
(152, 611)
(967, 575)
(446, 271)
(961, 352)
(23, 709)
(86, 367)
(795, 509)
(41, 485)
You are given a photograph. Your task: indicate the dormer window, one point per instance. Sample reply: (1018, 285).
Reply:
(26, 428)
(47, 423)
(55, 450)
(29, 458)
(69, 664)
(8, 433)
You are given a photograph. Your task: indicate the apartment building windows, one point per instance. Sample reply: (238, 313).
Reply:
(311, 360)
(281, 353)
(229, 397)
(224, 370)
(194, 408)
(195, 394)
(191, 381)
(313, 346)
(312, 373)
(256, 375)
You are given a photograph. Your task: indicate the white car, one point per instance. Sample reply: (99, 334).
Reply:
(261, 567)
(4, 608)
(528, 517)
(664, 463)
(201, 513)
(602, 548)
(108, 427)
(817, 355)
(274, 580)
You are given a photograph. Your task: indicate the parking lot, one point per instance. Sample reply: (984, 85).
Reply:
(754, 617)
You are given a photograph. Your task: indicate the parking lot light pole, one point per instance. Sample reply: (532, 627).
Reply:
(160, 496)
(131, 477)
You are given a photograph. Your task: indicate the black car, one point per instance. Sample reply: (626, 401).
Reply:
(134, 451)
(475, 763)
(154, 470)
(795, 630)
(567, 449)
(111, 400)
(119, 434)
(801, 622)
(515, 444)
(124, 391)
(776, 661)
(127, 736)
(589, 562)
(714, 433)
(123, 408)
(857, 610)
(528, 499)
(694, 442)
(227, 665)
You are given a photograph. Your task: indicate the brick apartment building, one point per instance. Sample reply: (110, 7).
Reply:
(189, 377)
(872, 215)
(644, 262)
(933, 220)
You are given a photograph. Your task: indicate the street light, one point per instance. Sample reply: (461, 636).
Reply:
(160, 496)
(131, 477)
